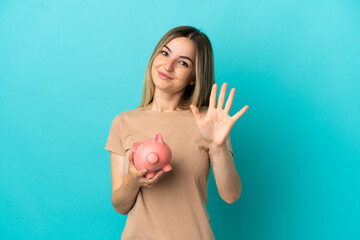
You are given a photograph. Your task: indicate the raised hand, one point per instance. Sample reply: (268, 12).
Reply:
(217, 124)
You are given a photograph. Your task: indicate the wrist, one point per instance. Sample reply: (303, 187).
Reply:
(217, 148)
(130, 182)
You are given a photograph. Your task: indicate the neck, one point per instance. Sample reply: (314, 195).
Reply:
(160, 108)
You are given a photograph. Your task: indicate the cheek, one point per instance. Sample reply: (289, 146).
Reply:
(155, 67)
(153, 71)
(186, 74)
(157, 61)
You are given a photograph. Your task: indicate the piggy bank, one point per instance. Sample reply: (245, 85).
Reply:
(153, 154)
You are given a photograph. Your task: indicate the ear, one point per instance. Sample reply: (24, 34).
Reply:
(158, 138)
(135, 145)
(193, 81)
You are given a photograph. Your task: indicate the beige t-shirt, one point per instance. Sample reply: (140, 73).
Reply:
(174, 207)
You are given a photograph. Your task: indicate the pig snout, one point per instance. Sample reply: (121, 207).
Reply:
(152, 158)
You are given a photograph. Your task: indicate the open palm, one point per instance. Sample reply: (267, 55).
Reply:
(217, 124)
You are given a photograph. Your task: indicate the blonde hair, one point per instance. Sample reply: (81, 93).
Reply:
(199, 93)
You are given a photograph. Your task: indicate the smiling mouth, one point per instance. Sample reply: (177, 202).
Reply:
(163, 76)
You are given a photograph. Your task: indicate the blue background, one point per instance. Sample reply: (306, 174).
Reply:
(67, 68)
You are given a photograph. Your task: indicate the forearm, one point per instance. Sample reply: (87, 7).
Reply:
(124, 197)
(226, 176)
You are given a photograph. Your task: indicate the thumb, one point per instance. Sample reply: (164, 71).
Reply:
(131, 157)
(196, 113)
(132, 165)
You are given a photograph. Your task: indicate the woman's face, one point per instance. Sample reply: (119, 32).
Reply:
(176, 60)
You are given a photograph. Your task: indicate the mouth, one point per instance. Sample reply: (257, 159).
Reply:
(164, 76)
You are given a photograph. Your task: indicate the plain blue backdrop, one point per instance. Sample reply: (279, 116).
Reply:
(67, 68)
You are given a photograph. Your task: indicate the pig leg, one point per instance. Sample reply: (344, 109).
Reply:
(150, 175)
(167, 168)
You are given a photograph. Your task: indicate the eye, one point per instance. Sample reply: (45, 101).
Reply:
(162, 52)
(185, 64)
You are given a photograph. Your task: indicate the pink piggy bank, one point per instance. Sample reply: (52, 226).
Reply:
(153, 154)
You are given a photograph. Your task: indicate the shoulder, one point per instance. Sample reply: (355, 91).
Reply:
(132, 112)
(128, 114)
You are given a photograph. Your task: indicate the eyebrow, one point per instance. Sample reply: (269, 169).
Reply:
(180, 56)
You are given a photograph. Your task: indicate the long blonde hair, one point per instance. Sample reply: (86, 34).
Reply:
(199, 93)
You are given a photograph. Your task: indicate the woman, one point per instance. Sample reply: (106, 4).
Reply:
(178, 101)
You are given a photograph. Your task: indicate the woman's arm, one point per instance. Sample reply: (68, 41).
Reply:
(226, 177)
(215, 125)
(126, 181)
(123, 194)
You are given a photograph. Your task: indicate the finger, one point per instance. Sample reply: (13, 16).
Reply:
(212, 100)
(131, 159)
(132, 165)
(196, 113)
(222, 96)
(240, 113)
(156, 177)
(229, 101)
(142, 172)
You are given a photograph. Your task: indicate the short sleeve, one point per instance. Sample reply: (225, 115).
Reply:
(114, 142)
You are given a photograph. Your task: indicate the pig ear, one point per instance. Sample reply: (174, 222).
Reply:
(158, 138)
(135, 145)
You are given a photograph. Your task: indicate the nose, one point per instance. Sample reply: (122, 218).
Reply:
(169, 65)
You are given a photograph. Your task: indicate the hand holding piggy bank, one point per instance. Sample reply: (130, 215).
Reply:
(153, 154)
